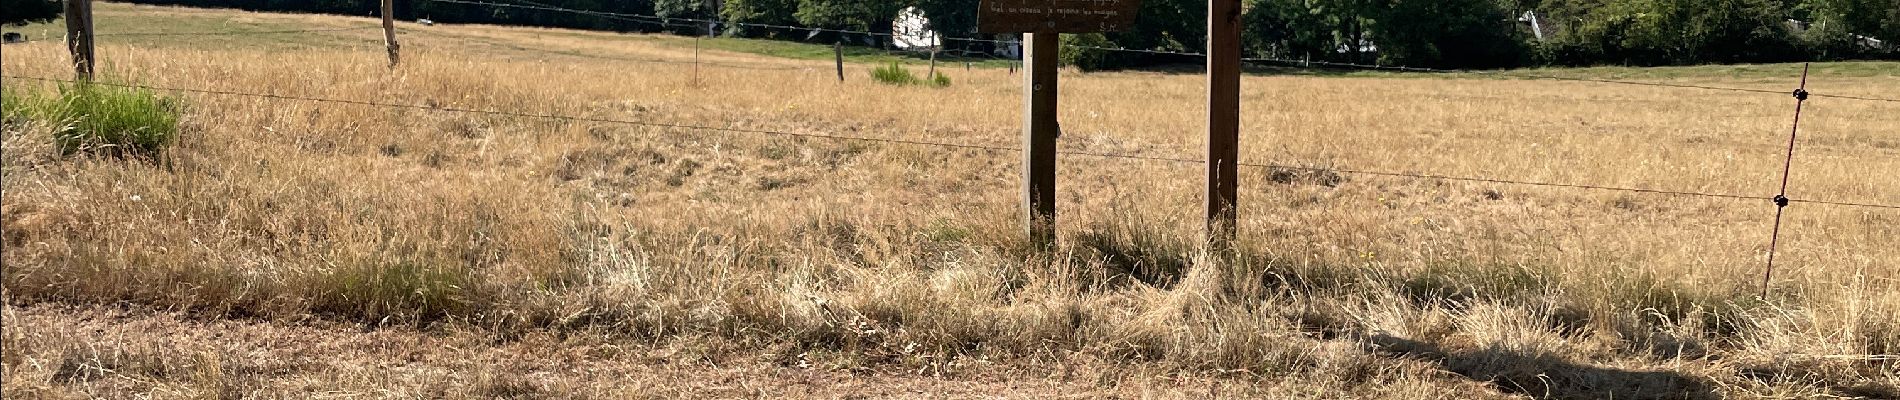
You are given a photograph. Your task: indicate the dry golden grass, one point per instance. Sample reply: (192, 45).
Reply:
(491, 233)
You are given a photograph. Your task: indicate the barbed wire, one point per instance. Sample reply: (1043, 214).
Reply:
(720, 64)
(992, 148)
(214, 33)
(1520, 74)
(218, 33)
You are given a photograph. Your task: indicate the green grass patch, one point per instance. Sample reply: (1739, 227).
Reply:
(102, 120)
(12, 106)
(132, 24)
(816, 51)
(896, 74)
(1774, 72)
(1779, 74)
(406, 291)
(789, 49)
(893, 74)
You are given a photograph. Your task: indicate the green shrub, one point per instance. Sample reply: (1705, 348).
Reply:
(896, 74)
(13, 106)
(401, 290)
(1084, 51)
(110, 120)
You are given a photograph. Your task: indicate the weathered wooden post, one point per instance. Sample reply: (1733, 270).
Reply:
(933, 64)
(1040, 129)
(389, 32)
(695, 61)
(1223, 119)
(79, 37)
(1042, 21)
(838, 49)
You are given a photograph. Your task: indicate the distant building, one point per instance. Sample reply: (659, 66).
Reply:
(1800, 27)
(1012, 49)
(1870, 42)
(1538, 30)
(911, 31)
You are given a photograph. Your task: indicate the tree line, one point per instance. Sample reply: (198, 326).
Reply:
(1418, 33)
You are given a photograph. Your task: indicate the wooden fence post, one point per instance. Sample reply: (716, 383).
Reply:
(1223, 118)
(838, 49)
(389, 32)
(695, 61)
(79, 37)
(1040, 129)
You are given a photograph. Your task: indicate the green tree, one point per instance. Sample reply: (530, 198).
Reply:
(1348, 21)
(1890, 30)
(950, 18)
(696, 11)
(859, 15)
(769, 12)
(854, 15)
(1730, 31)
(22, 12)
(1833, 24)
(1166, 25)
(1161, 25)
(1446, 33)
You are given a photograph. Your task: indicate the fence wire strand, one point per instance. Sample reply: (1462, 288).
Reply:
(216, 33)
(989, 148)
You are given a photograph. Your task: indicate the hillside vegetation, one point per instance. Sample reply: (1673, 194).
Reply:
(1441, 33)
(285, 248)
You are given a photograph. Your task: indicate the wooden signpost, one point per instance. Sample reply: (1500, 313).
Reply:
(1055, 16)
(1040, 129)
(1223, 120)
(1042, 22)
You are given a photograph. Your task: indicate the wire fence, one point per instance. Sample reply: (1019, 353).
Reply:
(1780, 200)
(703, 23)
(961, 146)
(709, 23)
(209, 33)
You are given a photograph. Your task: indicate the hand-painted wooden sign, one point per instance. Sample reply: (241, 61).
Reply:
(1055, 16)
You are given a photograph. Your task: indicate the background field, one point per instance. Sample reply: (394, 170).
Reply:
(288, 248)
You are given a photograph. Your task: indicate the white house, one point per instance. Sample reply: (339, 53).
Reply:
(911, 31)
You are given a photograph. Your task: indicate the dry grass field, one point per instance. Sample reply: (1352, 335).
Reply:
(296, 249)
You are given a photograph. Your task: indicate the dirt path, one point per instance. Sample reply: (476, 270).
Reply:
(58, 351)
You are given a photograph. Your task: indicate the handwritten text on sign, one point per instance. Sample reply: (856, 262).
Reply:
(1056, 16)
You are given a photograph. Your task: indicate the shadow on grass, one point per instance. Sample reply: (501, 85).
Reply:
(1546, 376)
(1133, 252)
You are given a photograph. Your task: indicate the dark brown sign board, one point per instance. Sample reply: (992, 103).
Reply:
(1055, 16)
